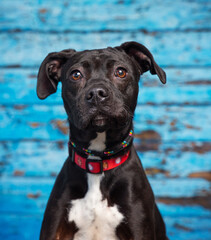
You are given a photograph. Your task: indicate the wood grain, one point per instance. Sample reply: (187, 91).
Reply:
(185, 86)
(169, 48)
(89, 16)
(172, 122)
(48, 122)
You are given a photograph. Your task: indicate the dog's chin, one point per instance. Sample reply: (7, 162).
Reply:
(100, 123)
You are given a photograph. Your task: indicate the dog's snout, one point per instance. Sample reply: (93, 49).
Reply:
(97, 94)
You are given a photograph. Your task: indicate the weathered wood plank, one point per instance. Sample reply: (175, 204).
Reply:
(173, 142)
(169, 48)
(183, 228)
(29, 203)
(188, 228)
(175, 95)
(177, 210)
(174, 123)
(162, 187)
(36, 159)
(25, 199)
(162, 160)
(186, 123)
(184, 86)
(109, 16)
(22, 227)
(24, 205)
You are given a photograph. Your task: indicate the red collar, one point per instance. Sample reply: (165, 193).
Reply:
(98, 166)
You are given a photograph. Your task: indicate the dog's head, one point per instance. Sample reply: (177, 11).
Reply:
(99, 87)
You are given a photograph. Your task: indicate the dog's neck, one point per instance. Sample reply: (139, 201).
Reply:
(98, 144)
(97, 141)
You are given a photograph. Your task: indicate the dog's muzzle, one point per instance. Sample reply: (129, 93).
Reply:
(101, 107)
(97, 95)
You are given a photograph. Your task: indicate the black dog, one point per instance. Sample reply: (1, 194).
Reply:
(102, 192)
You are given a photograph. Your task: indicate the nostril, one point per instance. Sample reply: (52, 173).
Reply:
(97, 95)
(102, 93)
(90, 95)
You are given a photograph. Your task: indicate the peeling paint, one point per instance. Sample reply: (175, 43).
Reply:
(19, 107)
(204, 175)
(175, 152)
(154, 171)
(18, 173)
(192, 127)
(149, 140)
(199, 82)
(61, 126)
(33, 195)
(204, 201)
(201, 148)
(34, 124)
(182, 227)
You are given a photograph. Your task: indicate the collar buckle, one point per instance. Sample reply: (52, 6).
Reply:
(91, 165)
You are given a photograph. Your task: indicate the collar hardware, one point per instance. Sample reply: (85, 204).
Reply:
(109, 159)
(91, 164)
(96, 166)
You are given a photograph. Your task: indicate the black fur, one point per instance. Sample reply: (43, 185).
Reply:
(101, 101)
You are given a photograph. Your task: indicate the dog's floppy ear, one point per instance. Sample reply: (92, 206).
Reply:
(144, 58)
(50, 72)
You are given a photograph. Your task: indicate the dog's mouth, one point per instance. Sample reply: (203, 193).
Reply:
(99, 120)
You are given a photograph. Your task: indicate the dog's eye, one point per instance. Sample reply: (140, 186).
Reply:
(120, 72)
(76, 75)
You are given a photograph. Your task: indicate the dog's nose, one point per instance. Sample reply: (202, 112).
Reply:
(97, 94)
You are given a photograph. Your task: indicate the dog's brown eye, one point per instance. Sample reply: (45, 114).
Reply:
(76, 75)
(120, 72)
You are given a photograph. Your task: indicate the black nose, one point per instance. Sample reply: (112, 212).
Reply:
(97, 94)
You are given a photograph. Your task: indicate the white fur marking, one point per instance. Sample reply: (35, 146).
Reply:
(94, 219)
(98, 144)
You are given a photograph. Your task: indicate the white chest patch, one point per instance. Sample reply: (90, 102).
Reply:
(94, 219)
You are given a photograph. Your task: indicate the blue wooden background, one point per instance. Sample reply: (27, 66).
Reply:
(172, 122)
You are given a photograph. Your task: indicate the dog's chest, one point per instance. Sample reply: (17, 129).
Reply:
(91, 214)
(94, 219)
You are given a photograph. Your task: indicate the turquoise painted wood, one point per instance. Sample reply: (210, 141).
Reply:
(189, 86)
(171, 159)
(173, 48)
(172, 122)
(48, 122)
(100, 15)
